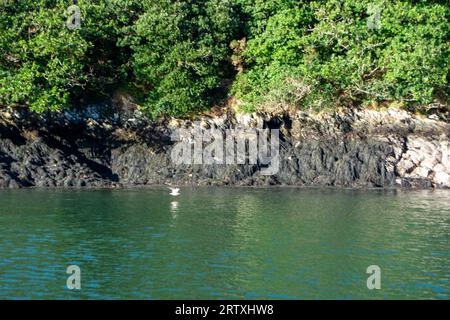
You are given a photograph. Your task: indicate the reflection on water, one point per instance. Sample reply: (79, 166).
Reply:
(174, 209)
(212, 243)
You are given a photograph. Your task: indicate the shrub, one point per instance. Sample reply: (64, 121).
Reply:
(344, 55)
(180, 51)
(178, 56)
(44, 65)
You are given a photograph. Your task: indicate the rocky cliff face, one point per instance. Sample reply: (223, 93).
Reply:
(349, 148)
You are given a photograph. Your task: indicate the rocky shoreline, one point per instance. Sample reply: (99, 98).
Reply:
(348, 148)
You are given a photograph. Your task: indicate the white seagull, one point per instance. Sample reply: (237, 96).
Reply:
(174, 191)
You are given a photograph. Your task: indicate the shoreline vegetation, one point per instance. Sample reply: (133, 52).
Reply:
(235, 150)
(358, 89)
(182, 58)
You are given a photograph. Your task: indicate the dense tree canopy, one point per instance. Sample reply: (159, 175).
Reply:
(179, 57)
(180, 51)
(343, 52)
(45, 65)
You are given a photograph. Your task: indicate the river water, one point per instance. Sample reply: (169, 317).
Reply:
(224, 243)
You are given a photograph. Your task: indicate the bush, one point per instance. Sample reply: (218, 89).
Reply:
(345, 56)
(180, 51)
(178, 56)
(44, 65)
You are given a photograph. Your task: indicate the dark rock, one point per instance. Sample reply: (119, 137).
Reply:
(340, 149)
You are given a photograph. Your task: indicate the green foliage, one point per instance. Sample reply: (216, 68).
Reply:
(180, 51)
(179, 55)
(331, 48)
(45, 65)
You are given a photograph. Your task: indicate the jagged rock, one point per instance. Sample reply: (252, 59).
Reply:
(405, 166)
(353, 148)
(442, 178)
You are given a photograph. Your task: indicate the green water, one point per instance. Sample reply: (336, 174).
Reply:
(224, 243)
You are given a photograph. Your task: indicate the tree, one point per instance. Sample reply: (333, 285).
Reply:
(45, 65)
(180, 51)
(345, 53)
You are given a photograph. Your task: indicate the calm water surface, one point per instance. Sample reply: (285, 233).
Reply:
(224, 243)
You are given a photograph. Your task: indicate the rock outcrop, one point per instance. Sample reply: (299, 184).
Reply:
(352, 148)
